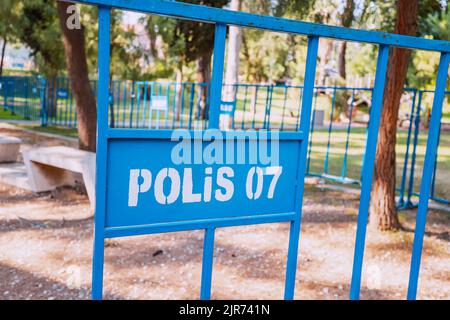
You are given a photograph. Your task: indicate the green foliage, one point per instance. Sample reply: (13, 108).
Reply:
(37, 26)
(438, 24)
(183, 42)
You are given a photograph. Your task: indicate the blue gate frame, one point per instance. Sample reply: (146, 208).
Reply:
(222, 18)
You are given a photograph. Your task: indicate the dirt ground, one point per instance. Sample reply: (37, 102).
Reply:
(46, 252)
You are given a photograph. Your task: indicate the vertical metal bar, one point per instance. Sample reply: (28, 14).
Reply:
(124, 103)
(138, 103)
(432, 144)
(217, 75)
(183, 87)
(244, 106)
(310, 75)
(367, 170)
(102, 149)
(330, 128)
(284, 108)
(301, 101)
(308, 164)
(191, 104)
(207, 264)
(433, 182)
(350, 118)
(215, 100)
(409, 203)
(269, 92)
(401, 201)
(144, 108)
(132, 97)
(255, 106)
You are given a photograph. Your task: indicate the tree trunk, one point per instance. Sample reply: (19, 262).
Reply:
(204, 76)
(347, 18)
(3, 56)
(341, 61)
(74, 47)
(325, 52)
(232, 71)
(51, 88)
(179, 93)
(383, 212)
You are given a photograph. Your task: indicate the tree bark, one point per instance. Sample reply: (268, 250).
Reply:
(383, 212)
(204, 76)
(3, 56)
(347, 18)
(179, 92)
(232, 71)
(51, 88)
(74, 46)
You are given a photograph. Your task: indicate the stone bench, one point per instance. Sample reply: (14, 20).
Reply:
(9, 149)
(51, 167)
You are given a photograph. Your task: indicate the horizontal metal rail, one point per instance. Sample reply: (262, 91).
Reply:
(214, 15)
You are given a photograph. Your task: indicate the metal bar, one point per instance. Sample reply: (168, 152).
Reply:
(207, 264)
(433, 182)
(401, 202)
(347, 142)
(413, 155)
(208, 14)
(116, 232)
(432, 144)
(367, 170)
(217, 75)
(244, 106)
(104, 21)
(330, 128)
(294, 234)
(308, 164)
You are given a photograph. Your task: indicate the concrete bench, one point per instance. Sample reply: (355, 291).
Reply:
(51, 167)
(9, 149)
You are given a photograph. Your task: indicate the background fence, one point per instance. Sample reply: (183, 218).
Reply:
(336, 148)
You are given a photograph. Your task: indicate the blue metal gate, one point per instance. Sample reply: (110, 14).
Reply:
(115, 147)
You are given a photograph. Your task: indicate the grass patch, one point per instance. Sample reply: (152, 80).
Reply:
(62, 131)
(7, 115)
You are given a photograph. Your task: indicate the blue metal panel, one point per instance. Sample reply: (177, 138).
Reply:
(425, 187)
(186, 182)
(367, 171)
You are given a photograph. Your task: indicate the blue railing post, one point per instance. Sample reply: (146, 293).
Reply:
(217, 75)
(330, 127)
(409, 203)
(207, 264)
(401, 202)
(347, 141)
(216, 97)
(368, 168)
(310, 76)
(432, 144)
(102, 149)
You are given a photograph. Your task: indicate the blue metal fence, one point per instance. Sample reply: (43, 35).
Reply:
(21, 96)
(410, 175)
(255, 106)
(221, 19)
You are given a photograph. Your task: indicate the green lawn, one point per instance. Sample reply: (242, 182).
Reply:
(356, 150)
(67, 132)
(7, 115)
